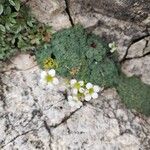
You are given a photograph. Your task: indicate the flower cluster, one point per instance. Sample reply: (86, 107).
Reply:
(82, 92)
(78, 91)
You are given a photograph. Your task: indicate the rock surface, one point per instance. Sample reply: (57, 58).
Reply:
(137, 61)
(32, 117)
(51, 12)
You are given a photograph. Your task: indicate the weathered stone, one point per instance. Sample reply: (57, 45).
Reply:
(33, 117)
(139, 67)
(23, 61)
(128, 10)
(136, 49)
(137, 61)
(51, 12)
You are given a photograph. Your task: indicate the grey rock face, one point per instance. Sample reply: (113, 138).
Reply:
(33, 117)
(136, 49)
(51, 12)
(137, 61)
(130, 10)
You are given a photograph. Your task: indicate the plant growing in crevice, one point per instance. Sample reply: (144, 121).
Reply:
(19, 30)
(86, 57)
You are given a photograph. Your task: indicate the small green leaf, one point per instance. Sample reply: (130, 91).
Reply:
(19, 29)
(15, 14)
(12, 20)
(98, 57)
(8, 25)
(1, 9)
(89, 54)
(7, 11)
(29, 23)
(13, 40)
(2, 28)
(12, 2)
(17, 4)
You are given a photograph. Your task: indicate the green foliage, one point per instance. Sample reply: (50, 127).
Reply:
(83, 56)
(135, 94)
(19, 30)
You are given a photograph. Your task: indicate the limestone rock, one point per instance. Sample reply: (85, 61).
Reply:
(33, 117)
(137, 49)
(137, 61)
(51, 12)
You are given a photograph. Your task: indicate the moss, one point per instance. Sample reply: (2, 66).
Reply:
(135, 94)
(86, 57)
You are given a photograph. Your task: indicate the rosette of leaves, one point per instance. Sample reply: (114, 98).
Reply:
(86, 57)
(81, 56)
(19, 30)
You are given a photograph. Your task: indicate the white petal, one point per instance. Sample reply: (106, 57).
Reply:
(43, 74)
(52, 72)
(73, 81)
(81, 83)
(74, 91)
(81, 90)
(110, 45)
(94, 95)
(55, 81)
(89, 85)
(96, 88)
(88, 97)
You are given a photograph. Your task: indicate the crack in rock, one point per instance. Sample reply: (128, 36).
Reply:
(68, 12)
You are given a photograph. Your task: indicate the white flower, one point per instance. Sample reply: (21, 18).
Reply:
(89, 85)
(91, 91)
(48, 78)
(74, 101)
(112, 47)
(72, 82)
(76, 86)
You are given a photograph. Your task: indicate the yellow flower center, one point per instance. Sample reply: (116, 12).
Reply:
(48, 78)
(91, 91)
(77, 85)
